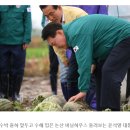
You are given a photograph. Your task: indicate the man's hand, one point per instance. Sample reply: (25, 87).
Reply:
(79, 96)
(25, 46)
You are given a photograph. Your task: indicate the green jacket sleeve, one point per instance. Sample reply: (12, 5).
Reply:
(43, 21)
(27, 25)
(84, 60)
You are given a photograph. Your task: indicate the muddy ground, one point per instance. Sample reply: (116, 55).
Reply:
(33, 86)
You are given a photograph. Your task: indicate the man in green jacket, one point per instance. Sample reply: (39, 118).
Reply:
(68, 67)
(15, 35)
(96, 38)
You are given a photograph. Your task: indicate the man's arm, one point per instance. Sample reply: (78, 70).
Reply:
(27, 26)
(84, 60)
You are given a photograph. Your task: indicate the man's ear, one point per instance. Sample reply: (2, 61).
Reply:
(60, 32)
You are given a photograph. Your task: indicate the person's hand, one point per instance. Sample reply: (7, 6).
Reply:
(25, 46)
(93, 67)
(79, 96)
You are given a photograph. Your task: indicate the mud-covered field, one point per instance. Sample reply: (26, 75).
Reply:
(34, 86)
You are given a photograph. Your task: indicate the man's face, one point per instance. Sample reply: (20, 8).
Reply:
(52, 14)
(59, 40)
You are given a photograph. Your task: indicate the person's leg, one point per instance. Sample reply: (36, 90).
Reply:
(4, 70)
(53, 69)
(64, 90)
(93, 103)
(18, 56)
(91, 94)
(128, 84)
(72, 89)
(63, 78)
(98, 77)
(113, 73)
(72, 76)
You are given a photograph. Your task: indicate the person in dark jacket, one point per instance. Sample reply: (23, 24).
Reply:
(15, 35)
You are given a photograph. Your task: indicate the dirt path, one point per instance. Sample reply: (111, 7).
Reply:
(33, 86)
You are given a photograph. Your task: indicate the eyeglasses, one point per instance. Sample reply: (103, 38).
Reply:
(51, 14)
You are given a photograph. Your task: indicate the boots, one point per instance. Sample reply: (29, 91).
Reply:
(14, 87)
(4, 82)
(53, 81)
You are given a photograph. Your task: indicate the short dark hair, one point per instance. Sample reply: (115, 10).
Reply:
(44, 6)
(50, 30)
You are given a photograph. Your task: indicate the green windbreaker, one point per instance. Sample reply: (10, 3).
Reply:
(15, 24)
(92, 38)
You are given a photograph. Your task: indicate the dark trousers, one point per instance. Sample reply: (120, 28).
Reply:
(113, 73)
(64, 90)
(128, 84)
(12, 63)
(92, 90)
(72, 89)
(98, 77)
(72, 77)
(12, 59)
(53, 69)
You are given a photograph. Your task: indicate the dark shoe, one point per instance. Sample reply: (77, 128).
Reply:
(14, 87)
(16, 97)
(2, 95)
(54, 92)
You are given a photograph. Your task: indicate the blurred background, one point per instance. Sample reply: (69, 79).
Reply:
(37, 63)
